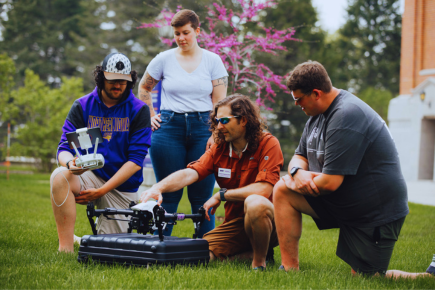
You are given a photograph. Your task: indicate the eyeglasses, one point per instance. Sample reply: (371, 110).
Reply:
(225, 120)
(297, 99)
(121, 82)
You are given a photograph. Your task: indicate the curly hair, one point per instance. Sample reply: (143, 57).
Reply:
(240, 106)
(308, 76)
(99, 79)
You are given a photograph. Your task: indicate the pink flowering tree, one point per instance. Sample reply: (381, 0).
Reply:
(238, 47)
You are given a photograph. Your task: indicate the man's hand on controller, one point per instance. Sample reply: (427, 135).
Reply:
(74, 169)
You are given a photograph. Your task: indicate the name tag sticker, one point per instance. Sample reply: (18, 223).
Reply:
(224, 172)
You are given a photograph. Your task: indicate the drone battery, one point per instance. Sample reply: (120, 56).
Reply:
(143, 250)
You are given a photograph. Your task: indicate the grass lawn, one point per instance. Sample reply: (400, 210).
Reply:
(29, 257)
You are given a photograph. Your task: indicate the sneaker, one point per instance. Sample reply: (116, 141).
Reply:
(259, 268)
(77, 240)
(281, 268)
(431, 269)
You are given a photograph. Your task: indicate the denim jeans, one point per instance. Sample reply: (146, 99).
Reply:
(181, 139)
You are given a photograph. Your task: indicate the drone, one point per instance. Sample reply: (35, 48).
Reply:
(144, 221)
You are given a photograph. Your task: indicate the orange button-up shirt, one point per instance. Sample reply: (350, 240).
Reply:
(263, 165)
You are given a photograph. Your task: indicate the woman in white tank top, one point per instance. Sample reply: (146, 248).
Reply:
(193, 81)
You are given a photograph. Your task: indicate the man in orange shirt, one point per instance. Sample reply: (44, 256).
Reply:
(246, 163)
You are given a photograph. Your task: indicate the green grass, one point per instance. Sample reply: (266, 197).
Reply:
(12, 168)
(29, 258)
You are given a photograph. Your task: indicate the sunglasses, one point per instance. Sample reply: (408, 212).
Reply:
(225, 120)
(121, 82)
(297, 99)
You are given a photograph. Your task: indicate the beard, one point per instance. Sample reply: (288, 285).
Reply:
(111, 96)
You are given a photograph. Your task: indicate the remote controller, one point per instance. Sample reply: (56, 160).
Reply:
(89, 161)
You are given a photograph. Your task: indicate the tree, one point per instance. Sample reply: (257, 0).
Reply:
(42, 112)
(58, 38)
(378, 99)
(116, 31)
(7, 72)
(287, 120)
(372, 28)
(228, 37)
(40, 34)
(372, 38)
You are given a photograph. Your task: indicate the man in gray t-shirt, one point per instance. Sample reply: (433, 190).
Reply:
(360, 148)
(345, 174)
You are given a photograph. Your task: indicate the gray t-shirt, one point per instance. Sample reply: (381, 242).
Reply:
(182, 91)
(351, 139)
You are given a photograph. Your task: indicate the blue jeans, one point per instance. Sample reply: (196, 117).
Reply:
(181, 139)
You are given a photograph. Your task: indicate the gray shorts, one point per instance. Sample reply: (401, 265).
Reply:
(367, 250)
(114, 198)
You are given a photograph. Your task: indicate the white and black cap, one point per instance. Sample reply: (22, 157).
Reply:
(117, 66)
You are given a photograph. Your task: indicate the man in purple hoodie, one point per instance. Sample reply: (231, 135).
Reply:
(124, 121)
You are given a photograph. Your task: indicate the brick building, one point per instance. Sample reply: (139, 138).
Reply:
(411, 115)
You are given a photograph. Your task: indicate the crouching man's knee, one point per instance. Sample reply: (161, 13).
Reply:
(257, 206)
(62, 181)
(62, 176)
(56, 175)
(279, 191)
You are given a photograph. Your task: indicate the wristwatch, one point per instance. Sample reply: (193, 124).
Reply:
(294, 170)
(67, 164)
(222, 194)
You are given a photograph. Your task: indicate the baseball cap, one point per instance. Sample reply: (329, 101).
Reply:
(117, 66)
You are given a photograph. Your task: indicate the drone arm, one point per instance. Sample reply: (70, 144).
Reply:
(90, 212)
(161, 217)
(77, 151)
(96, 147)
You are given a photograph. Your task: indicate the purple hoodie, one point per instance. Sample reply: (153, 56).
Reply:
(126, 130)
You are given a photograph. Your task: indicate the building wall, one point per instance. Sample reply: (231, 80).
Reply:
(404, 123)
(411, 115)
(412, 124)
(427, 149)
(429, 37)
(418, 44)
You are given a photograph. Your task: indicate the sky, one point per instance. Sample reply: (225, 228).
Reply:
(332, 13)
